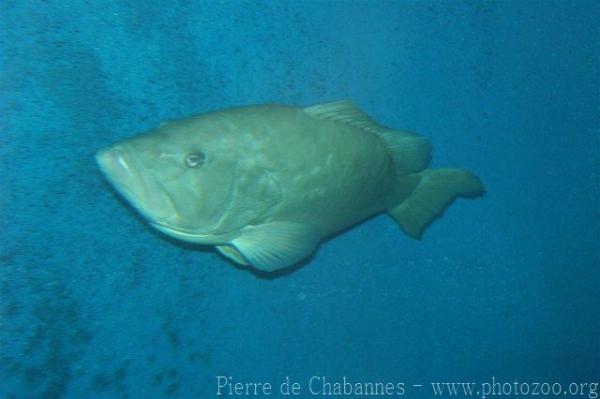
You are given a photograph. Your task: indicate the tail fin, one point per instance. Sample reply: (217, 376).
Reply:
(435, 191)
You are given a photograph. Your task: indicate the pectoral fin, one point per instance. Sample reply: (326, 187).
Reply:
(273, 246)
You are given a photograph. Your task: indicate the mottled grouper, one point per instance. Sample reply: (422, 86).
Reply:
(266, 184)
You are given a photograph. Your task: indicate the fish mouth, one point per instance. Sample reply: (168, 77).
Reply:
(121, 170)
(117, 170)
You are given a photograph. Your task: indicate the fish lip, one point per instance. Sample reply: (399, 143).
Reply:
(166, 226)
(107, 158)
(148, 196)
(185, 234)
(117, 168)
(112, 163)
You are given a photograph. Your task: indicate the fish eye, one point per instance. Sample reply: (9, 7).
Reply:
(195, 160)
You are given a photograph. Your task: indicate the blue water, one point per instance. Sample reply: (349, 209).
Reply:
(93, 304)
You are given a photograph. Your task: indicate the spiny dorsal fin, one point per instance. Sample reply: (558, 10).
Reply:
(346, 112)
(409, 151)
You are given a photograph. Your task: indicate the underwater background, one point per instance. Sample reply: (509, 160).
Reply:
(93, 304)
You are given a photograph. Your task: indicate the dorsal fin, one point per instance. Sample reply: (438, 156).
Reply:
(346, 112)
(409, 151)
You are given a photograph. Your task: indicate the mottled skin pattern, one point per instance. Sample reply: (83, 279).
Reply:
(325, 173)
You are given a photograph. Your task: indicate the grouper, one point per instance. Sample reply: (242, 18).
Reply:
(266, 184)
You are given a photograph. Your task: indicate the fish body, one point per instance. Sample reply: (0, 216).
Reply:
(266, 184)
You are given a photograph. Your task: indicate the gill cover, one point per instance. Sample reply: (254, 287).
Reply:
(255, 192)
(226, 194)
(252, 194)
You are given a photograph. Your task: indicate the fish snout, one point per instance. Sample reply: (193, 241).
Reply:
(118, 169)
(124, 171)
(112, 163)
